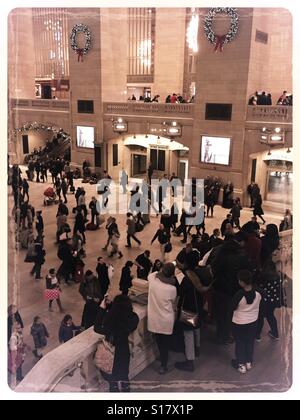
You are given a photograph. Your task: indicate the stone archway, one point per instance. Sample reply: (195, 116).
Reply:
(274, 175)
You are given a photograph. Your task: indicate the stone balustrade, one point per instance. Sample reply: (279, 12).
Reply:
(149, 109)
(40, 104)
(267, 113)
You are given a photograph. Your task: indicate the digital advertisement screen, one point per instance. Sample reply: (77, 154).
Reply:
(85, 137)
(215, 150)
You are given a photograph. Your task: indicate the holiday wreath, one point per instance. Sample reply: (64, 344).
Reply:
(220, 40)
(80, 51)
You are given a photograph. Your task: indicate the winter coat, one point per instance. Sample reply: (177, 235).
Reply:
(39, 333)
(162, 237)
(161, 306)
(66, 332)
(127, 323)
(126, 279)
(228, 261)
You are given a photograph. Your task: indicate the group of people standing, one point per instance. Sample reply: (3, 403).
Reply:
(230, 273)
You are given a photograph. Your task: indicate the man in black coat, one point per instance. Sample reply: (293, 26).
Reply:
(91, 292)
(39, 260)
(150, 172)
(225, 222)
(103, 278)
(230, 258)
(144, 265)
(67, 267)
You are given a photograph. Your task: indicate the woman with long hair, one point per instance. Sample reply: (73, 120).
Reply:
(116, 321)
(270, 285)
(269, 242)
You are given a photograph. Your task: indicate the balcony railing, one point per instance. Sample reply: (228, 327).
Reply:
(267, 113)
(151, 108)
(40, 104)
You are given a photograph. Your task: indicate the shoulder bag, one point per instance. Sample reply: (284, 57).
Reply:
(105, 356)
(189, 318)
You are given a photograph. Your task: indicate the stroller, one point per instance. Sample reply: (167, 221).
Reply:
(50, 197)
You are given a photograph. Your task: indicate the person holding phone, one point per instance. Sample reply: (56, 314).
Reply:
(116, 321)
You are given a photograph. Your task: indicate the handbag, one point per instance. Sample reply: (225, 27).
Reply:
(189, 318)
(105, 356)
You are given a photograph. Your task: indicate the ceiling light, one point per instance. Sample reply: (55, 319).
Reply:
(277, 130)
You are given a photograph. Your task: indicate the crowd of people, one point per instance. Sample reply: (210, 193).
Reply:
(226, 276)
(263, 98)
(175, 98)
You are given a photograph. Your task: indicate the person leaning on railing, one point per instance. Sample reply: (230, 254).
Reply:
(116, 321)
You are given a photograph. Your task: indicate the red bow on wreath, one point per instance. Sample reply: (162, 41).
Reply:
(79, 52)
(219, 43)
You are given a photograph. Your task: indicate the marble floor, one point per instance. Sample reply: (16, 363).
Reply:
(213, 373)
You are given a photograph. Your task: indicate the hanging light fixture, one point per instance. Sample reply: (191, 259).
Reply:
(269, 152)
(288, 150)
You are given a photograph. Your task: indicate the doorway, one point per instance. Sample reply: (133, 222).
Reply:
(183, 170)
(280, 186)
(138, 164)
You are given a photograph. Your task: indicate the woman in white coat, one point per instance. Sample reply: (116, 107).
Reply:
(162, 299)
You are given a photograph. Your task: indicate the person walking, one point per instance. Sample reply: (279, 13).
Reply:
(64, 189)
(39, 259)
(131, 229)
(126, 278)
(115, 244)
(94, 211)
(67, 329)
(53, 290)
(116, 321)
(161, 310)
(39, 224)
(245, 304)
(39, 334)
(236, 213)
(82, 204)
(67, 267)
(163, 238)
(123, 180)
(25, 187)
(111, 227)
(79, 225)
(150, 172)
(144, 265)
(257, 210)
